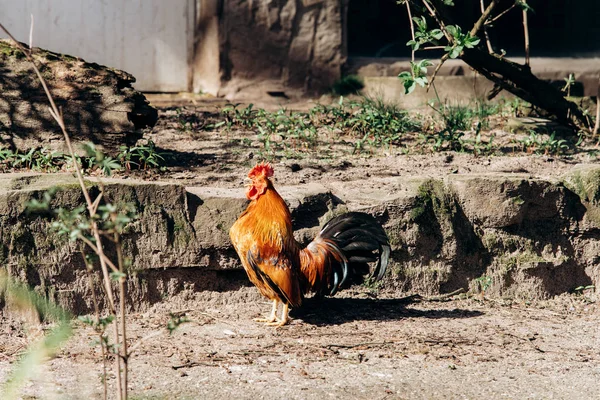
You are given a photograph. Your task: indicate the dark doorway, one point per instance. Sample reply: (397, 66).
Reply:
(557, 28)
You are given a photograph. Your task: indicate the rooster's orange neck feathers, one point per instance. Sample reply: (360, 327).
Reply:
(269, 211)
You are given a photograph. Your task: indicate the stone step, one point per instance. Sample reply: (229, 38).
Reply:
(508, 235)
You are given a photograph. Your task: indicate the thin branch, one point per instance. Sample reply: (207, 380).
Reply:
(484, 17)
(445, 296)
(491, 21)
(473, 32)
(437, 68)
(88, 271)
(597, 126)
(526, 33)
(412, 32)
(439, 21)
(485, 30)
(122, 294)
(97, 202)
(95, 249)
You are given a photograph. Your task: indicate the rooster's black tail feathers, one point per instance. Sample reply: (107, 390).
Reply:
(356, 239)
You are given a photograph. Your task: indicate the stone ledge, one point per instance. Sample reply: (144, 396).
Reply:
(529, 238)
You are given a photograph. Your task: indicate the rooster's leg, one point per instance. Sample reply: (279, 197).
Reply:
(271, 318)
(284, 317)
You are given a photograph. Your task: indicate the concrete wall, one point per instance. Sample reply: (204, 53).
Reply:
(151, 39)
(280, 45)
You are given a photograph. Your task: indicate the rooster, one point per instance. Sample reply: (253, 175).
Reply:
(283, 271)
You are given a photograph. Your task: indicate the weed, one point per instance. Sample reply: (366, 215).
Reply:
(535, 144)
(582, 289)
(374, 123)
(455, 117)
(483, 283)
(569, 82)
(23, 160)
(517, 107)
(143, 156)
(47, 160)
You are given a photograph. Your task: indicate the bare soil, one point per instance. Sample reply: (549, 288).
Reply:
(356, 345)
(362, 344)
(197, 155)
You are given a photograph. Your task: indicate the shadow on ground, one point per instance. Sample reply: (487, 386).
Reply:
(335, 311)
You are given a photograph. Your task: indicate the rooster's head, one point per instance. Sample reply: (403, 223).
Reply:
(259, 175)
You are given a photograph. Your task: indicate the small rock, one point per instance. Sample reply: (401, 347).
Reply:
(295, 167)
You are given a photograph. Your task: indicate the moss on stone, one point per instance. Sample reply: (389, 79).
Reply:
(432, 194)
(585, 183)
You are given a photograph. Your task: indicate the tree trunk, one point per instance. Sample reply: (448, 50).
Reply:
(518, 80)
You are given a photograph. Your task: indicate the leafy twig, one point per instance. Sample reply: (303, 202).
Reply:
(56, 113)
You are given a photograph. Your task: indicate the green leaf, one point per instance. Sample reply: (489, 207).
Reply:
(90, 149)
(436, 34)
(471, 42)
(86, 320)
(524, 6)
(409, 86)
(413, 44)
(421, 81)
(421, 23)
(453, 30)
(454, 52)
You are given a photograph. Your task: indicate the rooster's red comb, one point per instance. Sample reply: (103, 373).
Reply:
(263, 169)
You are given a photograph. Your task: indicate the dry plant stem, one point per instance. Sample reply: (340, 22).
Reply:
(95, 249)
(412, 32)
(88, 270)
(485, 31)
(597, 125)
(122, 291)
(526, 34)
(58, 117)
(109, 292)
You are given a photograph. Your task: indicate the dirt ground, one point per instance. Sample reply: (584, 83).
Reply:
(360, 344)
(357, 346)
(199, 156)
